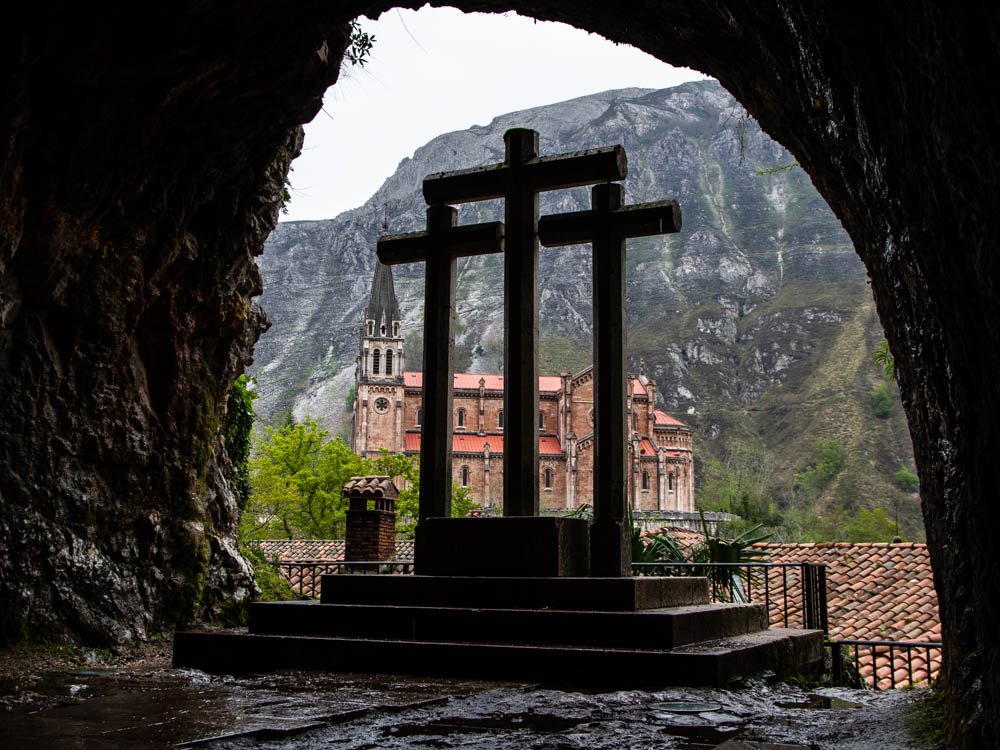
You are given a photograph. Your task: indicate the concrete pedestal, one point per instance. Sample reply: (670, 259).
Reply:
(535, 547)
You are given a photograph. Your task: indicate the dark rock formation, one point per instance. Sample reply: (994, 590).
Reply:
(140, 168)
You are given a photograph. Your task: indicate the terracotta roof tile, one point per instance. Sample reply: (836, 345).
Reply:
(874, 592)
(662, 419)
(469, 381)
(548, 445)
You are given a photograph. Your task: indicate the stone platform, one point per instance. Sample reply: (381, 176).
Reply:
(578, 631)
(508, 546)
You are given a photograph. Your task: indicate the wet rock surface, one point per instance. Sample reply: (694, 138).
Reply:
(151, 705)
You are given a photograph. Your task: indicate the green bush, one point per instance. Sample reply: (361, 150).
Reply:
(273, 588)
(827, 461)
(906, 480)
(881, 401)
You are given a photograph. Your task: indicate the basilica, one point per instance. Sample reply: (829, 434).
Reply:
(387, 412)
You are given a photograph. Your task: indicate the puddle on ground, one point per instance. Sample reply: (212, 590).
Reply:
(328, 711)
(530, 721)
(814, 701)
(703, 736)
(686, 707)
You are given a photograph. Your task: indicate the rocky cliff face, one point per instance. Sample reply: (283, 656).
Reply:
(755, 320)
(133, 198)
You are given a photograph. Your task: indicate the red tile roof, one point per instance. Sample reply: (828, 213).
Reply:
(874, 592)
(305, 561)
(662, 418)
(638, 389)
(548, 445)
(469, 381)
(646, 447)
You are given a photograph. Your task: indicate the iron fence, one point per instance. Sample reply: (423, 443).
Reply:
(885, 665)
(795, 593)
(305, 577)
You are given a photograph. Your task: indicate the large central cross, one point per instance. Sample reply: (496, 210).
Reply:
(519, 180)
(606, 226)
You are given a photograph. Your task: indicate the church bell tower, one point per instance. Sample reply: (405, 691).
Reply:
(378, 379)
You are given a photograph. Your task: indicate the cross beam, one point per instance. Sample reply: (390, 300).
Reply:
(606, 226)
(439, 247)
(518, 180)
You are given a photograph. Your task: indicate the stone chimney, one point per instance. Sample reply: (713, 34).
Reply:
(371, 518)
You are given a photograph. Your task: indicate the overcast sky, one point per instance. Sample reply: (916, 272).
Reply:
(437, 70)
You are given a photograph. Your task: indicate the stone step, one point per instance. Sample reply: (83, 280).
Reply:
(652, 628)
(592, 594)
(718, 662)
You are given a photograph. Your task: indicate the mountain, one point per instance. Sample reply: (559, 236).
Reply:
(755, 319)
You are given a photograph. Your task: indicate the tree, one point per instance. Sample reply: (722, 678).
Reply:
(870, 526)
(741, 485)
(406, 471)
(296, 480)
(827, 461)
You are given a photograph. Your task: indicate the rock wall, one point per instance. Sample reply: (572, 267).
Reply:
(140, 167)
(142, 164)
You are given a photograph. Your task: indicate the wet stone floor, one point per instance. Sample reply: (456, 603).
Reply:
(162, 708)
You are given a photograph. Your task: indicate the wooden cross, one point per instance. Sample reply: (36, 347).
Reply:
(606, 226)
(519, 180)
(439, 247)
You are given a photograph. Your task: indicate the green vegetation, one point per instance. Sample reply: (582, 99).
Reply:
(881, 401)
(737, 549)
(237, 432)
(273, 587)
(360, 47)
(869, 526)
(883, 358)
(827, 460)
(925, 719)
(741, 485)
(296, 477)
(906, 480)
(349, 398)
(559, 354)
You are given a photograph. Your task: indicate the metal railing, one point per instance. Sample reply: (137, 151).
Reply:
(305, 577)
(884, 665)
(781, 586)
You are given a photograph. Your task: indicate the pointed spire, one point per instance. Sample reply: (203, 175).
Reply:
(382, 305)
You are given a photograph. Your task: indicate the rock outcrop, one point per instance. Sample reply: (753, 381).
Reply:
(134, 194)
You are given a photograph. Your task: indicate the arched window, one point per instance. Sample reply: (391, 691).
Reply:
(395, 329)
(460, 416)
(500, 419)
(645, 480)
(388, 361)
(383, 329)
(465, 476)
(371, 327)
(420, 416)
(635, 421)
(376, 355)
(670, 482)
(541, 420)
(548, 478)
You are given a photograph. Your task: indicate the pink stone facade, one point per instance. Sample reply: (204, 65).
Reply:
(387, 415)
